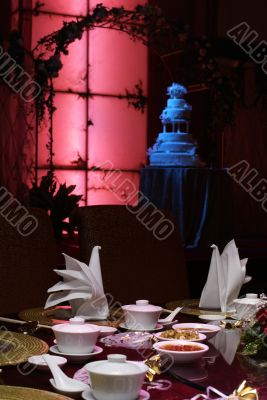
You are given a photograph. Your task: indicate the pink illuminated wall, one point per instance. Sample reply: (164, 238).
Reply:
(117, 137)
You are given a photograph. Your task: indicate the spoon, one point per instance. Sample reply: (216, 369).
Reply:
(170, 317)
(61, 382)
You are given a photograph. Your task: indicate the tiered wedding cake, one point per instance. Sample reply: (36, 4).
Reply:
(175, 146)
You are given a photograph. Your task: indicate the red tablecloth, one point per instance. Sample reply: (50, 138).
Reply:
(218, 374)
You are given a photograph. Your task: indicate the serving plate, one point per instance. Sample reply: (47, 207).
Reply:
(191, 307)
(60, 314)
(22, 393)
(16, 348)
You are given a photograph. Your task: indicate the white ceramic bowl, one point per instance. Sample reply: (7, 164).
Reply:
(181, 356)
(76, 337)
(141, 316)
(211, 317)
(202, 337)
(207, 329)
(40, 363)
(116, 378)
(246, 307)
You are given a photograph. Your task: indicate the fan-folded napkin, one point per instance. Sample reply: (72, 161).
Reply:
(82, 287)
(226, 276)
(226, 342)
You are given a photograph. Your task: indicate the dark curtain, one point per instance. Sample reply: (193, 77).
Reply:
(16, 139)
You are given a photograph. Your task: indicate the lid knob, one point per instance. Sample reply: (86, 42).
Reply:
(251, 296)
(76, 321)
(142, 302)
(117, 358)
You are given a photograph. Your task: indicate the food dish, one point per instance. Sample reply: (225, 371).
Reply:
(17, 348)
(87, 395)
(157, 328)
(191, 335)
(207, 329)
(40, 363)
(22, 393)
(77, 358)
(181, 351)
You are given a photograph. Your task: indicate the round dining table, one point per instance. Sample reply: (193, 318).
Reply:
(219, 368)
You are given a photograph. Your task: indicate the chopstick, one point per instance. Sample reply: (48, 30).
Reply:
(18, 321)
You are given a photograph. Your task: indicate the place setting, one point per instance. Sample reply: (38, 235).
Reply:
(185, 350)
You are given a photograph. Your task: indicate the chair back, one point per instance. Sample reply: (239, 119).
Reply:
(135, 262)
(28, 255)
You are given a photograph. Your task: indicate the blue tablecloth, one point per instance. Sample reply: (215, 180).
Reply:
(200, 198)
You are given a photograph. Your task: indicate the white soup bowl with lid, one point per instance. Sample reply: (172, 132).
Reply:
(116, 378)
(76, 336)
(141, 315)
(246, 307)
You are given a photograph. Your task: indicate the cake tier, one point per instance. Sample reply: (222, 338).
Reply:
(176, 103)
(178, 147)
(174, 114)
(174, 159)
(175, 137)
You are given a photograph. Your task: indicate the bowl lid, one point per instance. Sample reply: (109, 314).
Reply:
(76, 325)
(115, 364)
(247, 300)
(143, 306)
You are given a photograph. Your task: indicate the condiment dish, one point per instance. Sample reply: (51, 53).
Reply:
(181, 351)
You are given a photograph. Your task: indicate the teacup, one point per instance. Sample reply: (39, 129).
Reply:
(141, 315)
(246, 307)
(116, 378)
(76, 337)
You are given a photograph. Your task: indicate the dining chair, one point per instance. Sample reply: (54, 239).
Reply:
(135, 263)
(28, 255)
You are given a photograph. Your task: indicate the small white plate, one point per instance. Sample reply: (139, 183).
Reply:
(211, 317)
(157, 328)
(77, 358)
(40, 363)
(143, 395)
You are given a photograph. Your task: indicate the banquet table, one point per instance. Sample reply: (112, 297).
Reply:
(213, 370)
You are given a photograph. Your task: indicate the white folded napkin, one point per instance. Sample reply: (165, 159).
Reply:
(226, 342)
(82, 287)
(226, 276)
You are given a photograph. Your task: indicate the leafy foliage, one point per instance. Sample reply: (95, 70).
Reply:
(58, 201)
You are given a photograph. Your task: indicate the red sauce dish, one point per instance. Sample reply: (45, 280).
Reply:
(181, 351)
(181, 347)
